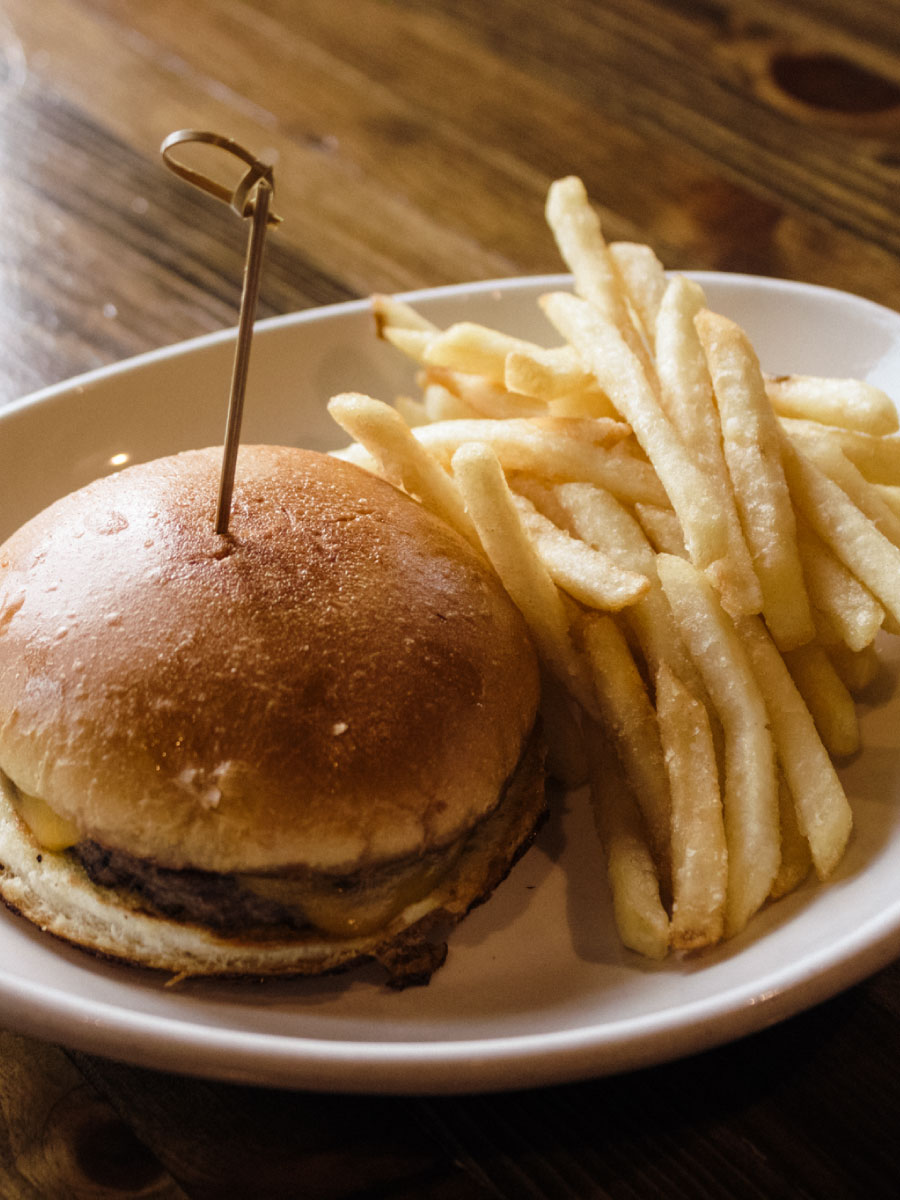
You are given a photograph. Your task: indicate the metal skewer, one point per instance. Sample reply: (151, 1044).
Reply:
(251, 198)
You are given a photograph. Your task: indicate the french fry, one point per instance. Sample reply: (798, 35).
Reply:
(475, 350)
(543, 496)
(643, 279)
(796, 860)
(600, 520)
(543, 450)
(359, 456)
(849, 607)
(847, 403)
(889, 494)
(856, 668)
(750, 793)
(576, 228)
(588, 575)
(851, 535)
(382, 431)
(834, 463)
(595, 515)
(752, 445)
(827, 698)
(699, 852)
(545, 373)
(482, 397)
(558, 378)
(569, 432)
(877, 457)
(628, 714)
(640, 917)
(490, 505)
(389, 312)
(413, 343)
(687, 397)
(413, 411)
(662, 527)
(441, 404)
(823, 812)
(593, 403)
(621, 376)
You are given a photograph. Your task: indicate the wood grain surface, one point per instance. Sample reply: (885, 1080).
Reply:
(414, 141)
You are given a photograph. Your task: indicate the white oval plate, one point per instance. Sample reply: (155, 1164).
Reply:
(536, 988)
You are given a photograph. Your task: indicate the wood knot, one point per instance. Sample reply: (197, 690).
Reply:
(833, 83)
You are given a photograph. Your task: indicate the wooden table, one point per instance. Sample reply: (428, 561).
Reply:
(414, 143)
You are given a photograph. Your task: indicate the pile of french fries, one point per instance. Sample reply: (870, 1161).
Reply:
(704, 556)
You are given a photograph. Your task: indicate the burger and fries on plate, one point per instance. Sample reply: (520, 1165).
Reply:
(345, 754)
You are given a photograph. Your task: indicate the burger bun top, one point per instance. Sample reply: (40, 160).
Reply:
(339, 682)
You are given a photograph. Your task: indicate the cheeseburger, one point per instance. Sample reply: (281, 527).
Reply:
(304, 744)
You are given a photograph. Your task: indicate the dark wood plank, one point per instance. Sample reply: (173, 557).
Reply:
(118, 256)
(243, 1142)
(59, 1138)
(786, 1113)
(656, 105)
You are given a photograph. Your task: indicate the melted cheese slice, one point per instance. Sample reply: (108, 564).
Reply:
(334, 907)
(50, 830)
(357, 909)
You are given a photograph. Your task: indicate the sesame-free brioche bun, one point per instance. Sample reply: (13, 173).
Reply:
(338, 685)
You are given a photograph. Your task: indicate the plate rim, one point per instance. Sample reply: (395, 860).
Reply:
(495, 1063)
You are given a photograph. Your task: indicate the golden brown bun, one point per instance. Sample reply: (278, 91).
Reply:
(54, 892)
(340, 682)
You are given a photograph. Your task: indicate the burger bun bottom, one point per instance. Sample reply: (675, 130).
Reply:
(54, 892)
